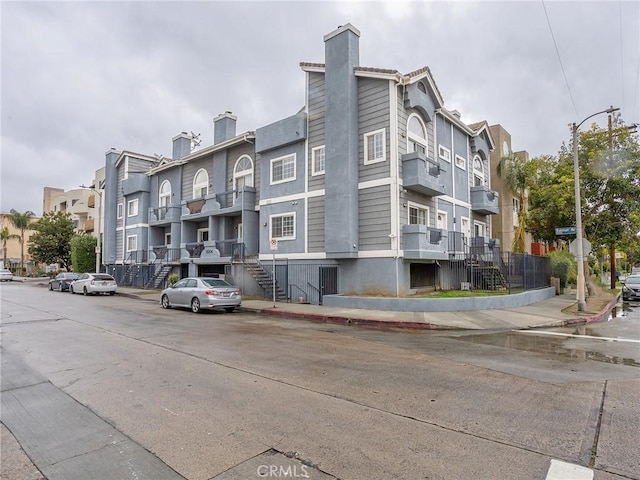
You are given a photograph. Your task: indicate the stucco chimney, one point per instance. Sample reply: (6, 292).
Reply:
(181, 145)
(224, 127)
(341, 142)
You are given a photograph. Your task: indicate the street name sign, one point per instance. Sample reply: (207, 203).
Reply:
(565, 230)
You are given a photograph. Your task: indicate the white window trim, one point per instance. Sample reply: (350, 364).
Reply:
(293, 156)
(481, 224)
(167, 238)
(478, 173)
(162, 194)
(132, 205)
(444, 153)
(200, 185)
(418, 206)
(366, 146)
(135, 239)
(461, 162)
(279, 215)
(199, 233)
(446, 220)
(243, 173)
(413, 138)
(315, 151)
(465, 231)
(120, 210)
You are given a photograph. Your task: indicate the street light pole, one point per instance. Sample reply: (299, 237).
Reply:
(580, 281)
(97, 229)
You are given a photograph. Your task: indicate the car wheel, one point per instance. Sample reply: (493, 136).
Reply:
(229, 309)
(50, 287)
(165, 302)
(60, 289)
(195, 305)
(84, 291)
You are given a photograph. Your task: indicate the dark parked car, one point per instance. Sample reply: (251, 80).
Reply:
(631, 288)
(201, 293)
(62, 281)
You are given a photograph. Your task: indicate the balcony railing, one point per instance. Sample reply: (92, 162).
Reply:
(484, 200)
(163, 215)
(422, 174)
(165, 254)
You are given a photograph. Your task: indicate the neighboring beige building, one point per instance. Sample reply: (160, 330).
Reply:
(12, 253)
(504, 224)
(75, 202)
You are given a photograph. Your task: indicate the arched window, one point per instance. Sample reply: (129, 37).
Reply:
(243, 173)
(165, 194)
(416, 135)
(478, 171)
(200, 184)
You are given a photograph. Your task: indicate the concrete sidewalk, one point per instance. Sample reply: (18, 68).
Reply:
(546, 313)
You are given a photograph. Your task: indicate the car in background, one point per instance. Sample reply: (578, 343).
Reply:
(199, 293)
(62, 281)
(92, 283)
(5, 275)
(631, 288)
(635, 271)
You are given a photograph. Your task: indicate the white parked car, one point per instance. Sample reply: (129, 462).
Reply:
(92, 283)
(5, 275)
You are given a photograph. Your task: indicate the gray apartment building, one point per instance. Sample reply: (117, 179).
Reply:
(373, 186)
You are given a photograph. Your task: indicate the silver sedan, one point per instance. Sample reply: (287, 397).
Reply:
(199, 293)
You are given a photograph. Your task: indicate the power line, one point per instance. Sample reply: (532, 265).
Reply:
(560, 59)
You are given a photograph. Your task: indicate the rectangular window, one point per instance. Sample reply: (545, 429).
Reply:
(418, 215)
(461, 162)
(283, 169)
(478, 229)
(283, 227)
(132, 208)
(120, 210)
(167, 239)
(203, 235)
(132, 243)
(444, 153)
(317, 161)
(375, 147)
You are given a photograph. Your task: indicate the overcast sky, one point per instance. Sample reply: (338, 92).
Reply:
(81, 77)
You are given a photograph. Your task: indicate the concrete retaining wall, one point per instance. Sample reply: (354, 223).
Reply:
(440, 304)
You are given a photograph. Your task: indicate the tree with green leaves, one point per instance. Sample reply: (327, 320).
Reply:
(6, 235)
(23, 222)
(518, 174)
(51, 242)
(83, 256)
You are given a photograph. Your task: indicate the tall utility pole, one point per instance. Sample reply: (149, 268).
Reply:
(612, 247)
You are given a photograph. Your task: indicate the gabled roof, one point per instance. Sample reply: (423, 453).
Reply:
(385, 73)
(127, 153)
(480, 127)
(238, 139)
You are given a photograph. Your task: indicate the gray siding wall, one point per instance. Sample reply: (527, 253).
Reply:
(233, 155)
(315, 226)
(316, 118)
(374, 114)
(174, 176)
(461, 176)
(375, 218)
(189, 171)
(285, 188)
(443, 137)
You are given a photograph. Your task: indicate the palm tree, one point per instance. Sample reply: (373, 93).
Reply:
(516, 173)
(4, 236)
(21, 221)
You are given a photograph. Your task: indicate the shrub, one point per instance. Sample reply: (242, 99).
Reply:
(173, 278)
(563, 266)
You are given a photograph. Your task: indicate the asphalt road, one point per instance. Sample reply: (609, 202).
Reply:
(111, 387)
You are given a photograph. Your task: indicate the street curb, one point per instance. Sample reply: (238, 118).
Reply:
(341, 320)
(598, 317)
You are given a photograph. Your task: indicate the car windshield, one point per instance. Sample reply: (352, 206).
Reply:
(71, 276)
(103, 277)
(215, 282)
(633, 280)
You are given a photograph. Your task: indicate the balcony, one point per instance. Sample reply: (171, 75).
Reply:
(164, 215)
(91, 201)
(89, 225)
(165, 254)
(229, 203)
(421, 174)
(422, 242)
(484, 200)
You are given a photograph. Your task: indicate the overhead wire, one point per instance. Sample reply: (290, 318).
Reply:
(560, 59)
